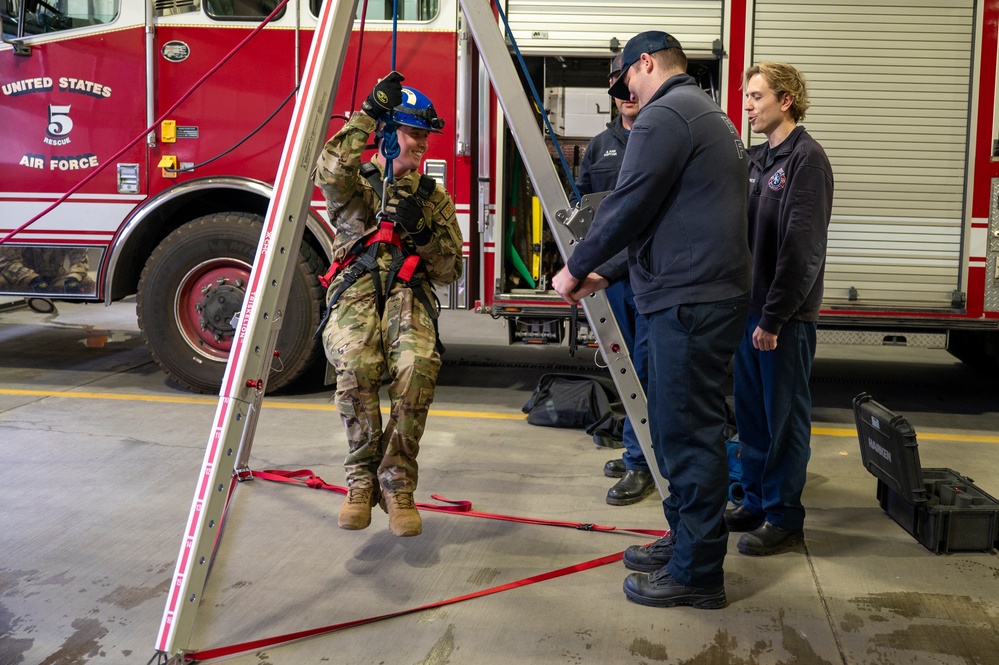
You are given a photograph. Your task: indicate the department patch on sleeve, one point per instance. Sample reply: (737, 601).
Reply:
(447, 210)
(778, 180)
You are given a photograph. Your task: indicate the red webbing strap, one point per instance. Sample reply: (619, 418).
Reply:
(385, 233)
(309, 479)
(335, 268)
(256, 645)
(409, 266)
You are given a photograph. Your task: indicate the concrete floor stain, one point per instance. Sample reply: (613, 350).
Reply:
(851, 623)
(646, 649)
(484, 576)
(972, 630)
(721, 652)
(59, 579)
(81, 645)
(11, 650)
(440, 653)
(915, 605)
(9, 579)
(797, 645)
(725, 649)
(129, 597)
(975, 644)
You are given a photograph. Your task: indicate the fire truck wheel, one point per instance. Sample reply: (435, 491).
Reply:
(192, 289)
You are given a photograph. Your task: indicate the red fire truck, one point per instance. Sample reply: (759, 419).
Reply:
(903, 99)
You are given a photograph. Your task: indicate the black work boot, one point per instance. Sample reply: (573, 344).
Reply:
(769, 539)
(614, 468)
(647, 558)
(659, 589)
(633, 487)
(740, 519)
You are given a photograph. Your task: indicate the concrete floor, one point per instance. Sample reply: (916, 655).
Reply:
(100, 455)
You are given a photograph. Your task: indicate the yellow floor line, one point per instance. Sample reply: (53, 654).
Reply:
(439, 413)
(207, 400)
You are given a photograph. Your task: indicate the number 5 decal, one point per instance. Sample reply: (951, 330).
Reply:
(60, 124)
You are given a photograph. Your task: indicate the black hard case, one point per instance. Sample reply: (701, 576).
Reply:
(940, 508)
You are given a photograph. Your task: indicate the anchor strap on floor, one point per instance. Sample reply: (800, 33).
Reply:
(307, 478)
(256, 645)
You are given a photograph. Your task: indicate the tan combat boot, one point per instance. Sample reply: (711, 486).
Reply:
(355, 513)
(404, 518)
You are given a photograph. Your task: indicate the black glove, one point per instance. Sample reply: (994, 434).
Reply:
(402, 209)
(385, 96)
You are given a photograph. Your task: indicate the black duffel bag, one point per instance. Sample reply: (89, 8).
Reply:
(581, 402)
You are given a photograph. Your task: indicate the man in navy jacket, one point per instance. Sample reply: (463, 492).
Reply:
(790, 203)
(679, 207)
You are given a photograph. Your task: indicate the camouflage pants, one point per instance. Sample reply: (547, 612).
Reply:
(13, 272)
(362, 346)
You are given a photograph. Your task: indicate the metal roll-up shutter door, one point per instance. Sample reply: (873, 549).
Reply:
(586, 27)
(889, 85)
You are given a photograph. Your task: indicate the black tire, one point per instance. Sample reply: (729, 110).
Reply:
(193, 284)
(979, 349)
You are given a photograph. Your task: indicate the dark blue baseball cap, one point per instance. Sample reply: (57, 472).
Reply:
(644, 42)
(615, 67)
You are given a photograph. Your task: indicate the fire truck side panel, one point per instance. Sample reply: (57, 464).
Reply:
(229, 106)
(983, 244)
(986, 165)
(67, 108)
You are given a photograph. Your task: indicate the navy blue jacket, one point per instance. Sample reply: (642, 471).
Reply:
(602, 159)
(598, 173)
(790, 203)
(679, 205)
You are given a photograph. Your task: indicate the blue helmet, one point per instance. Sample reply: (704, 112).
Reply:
(417, 111)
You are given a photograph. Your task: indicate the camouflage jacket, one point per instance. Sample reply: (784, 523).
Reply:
(353, 204)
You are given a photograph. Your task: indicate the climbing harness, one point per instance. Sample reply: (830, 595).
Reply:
(363, 259)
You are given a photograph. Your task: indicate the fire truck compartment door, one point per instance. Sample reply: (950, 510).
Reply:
(587, 27)
(889, 87)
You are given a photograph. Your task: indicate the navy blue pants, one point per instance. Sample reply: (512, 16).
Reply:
(690, 347)
(635, 330)
(773, 411)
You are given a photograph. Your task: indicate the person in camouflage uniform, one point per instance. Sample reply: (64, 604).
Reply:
(376, 324)
(67, 270)
(15, 275)
(45, 270)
